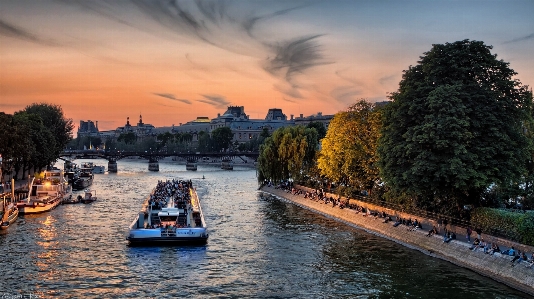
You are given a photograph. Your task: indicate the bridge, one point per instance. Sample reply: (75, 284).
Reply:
(153, 157)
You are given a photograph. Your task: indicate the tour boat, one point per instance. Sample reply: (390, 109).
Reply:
(84, 180)
(95, 168)
(89, 196)
(44, 194)
(226, 165)
(9, 214)
(191, 166)
(170, 215)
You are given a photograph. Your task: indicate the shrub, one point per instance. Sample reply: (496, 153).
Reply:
(515, 226)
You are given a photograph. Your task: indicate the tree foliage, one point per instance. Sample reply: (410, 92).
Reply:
(454, 127)
(348, 154)
(128, 138)
(319, 126)
(287, 153)
(54, 120)
(222, 138)
(33, 137)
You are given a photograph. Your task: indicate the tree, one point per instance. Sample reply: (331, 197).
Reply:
(127, 138)
(164, 138)
(54, 120)
(284, 155)
(40, 150)
(319, 126)
(348, 154)
(204, 142)
(221, 138)
(455, 127)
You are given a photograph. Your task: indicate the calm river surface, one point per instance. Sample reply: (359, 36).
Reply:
(257, 249)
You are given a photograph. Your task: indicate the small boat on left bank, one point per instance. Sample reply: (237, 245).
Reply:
(9, 213)
(45, 194)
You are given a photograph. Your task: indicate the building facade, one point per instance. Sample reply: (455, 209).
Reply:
(88, 128)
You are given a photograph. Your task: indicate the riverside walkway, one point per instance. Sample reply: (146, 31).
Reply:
(457, 251)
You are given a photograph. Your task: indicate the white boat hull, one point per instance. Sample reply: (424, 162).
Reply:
(38, 207)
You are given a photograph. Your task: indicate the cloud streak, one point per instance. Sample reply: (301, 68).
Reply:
(520, 39)
(172, 97)
(13, 31)
(232, 28)
(294, 57)
(216, 101)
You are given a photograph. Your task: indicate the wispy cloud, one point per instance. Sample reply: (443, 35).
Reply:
(345, 94)
(13, 31)
(386, 79)
(172, 97)
(520, 39)
(232, 28)
(288, 100)
(214, 100)
(293, 57)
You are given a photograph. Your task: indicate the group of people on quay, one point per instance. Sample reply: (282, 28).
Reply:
(517, 256)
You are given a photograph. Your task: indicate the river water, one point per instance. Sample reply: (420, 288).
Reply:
(257, 249)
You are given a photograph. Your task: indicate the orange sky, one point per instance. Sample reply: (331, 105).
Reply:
(107, 60)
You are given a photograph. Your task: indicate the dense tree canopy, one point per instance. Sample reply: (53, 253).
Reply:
(221, 138)
(348, 154)
(54, 120)
(33, 137)
(319, 126)
(454, 127)
(287, 153)
(128, 138)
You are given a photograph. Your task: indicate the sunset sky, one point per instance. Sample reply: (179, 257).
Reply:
(172, 61)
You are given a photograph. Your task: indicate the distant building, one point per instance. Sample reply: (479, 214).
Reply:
(141, 130)
(242, 126)
(319, 117)
(88, 128)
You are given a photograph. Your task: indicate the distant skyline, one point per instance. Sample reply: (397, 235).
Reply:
(172, 61)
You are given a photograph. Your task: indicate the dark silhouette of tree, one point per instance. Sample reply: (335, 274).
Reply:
(454, 127)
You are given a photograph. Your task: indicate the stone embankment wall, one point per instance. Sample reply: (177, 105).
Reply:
(457, 252)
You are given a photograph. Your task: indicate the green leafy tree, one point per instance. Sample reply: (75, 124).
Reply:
(283, 155)
(127, 138)
(454, 127)
(265, 133)
(55, 121)
(349, 150)
(204, 142)
(164, 138)
(41, 143)
(319, 126)
(221, 138)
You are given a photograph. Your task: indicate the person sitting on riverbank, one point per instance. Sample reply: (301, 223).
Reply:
(481, 244)
(530, 261)
(476, 242)
(517, 256)
(487, 247)
(388, 219)
(415, 225)
(510, 252)
(494, 248)
(432, 232)
(447, 236)
(398, 222)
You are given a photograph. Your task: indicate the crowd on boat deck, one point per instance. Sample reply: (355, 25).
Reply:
(491, 248)
(175, 190)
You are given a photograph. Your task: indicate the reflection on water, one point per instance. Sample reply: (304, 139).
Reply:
(258, 248)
